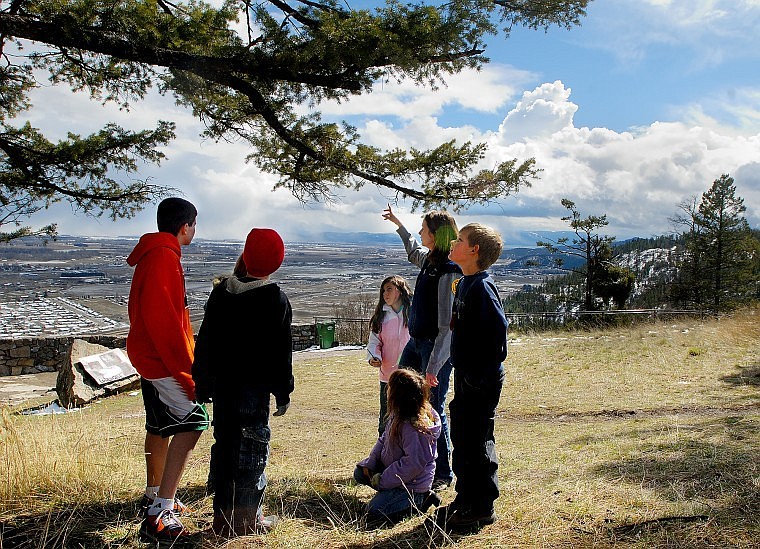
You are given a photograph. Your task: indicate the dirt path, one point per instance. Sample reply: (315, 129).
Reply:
(16, 390)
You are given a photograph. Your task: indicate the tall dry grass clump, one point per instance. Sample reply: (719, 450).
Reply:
(55, 459)
(645, 436)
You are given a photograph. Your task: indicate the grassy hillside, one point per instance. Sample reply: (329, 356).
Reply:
(642, 437)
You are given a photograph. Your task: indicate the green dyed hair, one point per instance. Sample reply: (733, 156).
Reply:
(444, 230)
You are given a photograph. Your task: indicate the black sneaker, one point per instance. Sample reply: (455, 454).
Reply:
(440, 484)
(164, 528)
(376, 520)
(463, 519)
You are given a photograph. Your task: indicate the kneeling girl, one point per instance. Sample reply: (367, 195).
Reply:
(402, 462)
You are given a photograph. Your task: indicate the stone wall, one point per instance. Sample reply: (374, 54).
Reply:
(46, 354)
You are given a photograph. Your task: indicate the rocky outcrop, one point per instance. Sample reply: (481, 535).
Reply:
(76, 387)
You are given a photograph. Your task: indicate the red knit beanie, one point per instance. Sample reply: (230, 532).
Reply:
(263, 252)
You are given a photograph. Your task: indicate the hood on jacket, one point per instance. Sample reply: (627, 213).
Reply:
(149, 242)
(388, 309)
(434, 430)
(431, 431)
(237, 286)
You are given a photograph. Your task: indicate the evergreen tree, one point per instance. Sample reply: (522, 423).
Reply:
(611, 282)
(721, 250)
(262, 85)
(689, 286)
(587, 244)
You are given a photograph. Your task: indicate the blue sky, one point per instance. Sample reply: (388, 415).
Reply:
(643, 106)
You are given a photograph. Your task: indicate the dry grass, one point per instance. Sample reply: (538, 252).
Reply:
(638, 437)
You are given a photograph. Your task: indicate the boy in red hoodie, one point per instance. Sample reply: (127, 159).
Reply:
(160, 346)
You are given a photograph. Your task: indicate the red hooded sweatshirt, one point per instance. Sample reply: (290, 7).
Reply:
(160, 341)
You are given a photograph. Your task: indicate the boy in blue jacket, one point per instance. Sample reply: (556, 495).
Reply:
(478, 348)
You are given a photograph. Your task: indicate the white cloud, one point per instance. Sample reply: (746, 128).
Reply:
(539, 113)
(636, 178)
(736, 111)
(405, 100)
(423, 132)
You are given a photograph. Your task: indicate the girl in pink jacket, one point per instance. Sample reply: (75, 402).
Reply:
(388, 335)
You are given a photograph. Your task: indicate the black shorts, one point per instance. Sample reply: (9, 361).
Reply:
(168, 411)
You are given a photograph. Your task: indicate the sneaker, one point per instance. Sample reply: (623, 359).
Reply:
(440, 484)
(453, 518)
(431, 499)
(179, 507)
(164, 527)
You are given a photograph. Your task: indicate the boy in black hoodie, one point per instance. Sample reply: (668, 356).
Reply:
(478, 348)
(242, 355)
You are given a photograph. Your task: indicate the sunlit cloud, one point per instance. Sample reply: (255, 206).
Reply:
(406, 100)
(636, 178)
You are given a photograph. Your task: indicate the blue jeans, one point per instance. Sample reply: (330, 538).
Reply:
(392, 502)
(416, 356)
(438, 401)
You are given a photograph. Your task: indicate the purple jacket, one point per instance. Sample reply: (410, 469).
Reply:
(410, 462)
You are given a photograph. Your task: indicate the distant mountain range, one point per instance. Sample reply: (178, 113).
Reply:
(520, 249)
(518, 239)
(521, 239)
(513, 257)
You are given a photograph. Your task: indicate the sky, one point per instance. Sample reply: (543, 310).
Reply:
(631, 114)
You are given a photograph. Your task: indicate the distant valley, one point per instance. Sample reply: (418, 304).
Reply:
(316, 276)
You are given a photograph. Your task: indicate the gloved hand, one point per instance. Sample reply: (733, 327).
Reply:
(281, 410)
(375, 481)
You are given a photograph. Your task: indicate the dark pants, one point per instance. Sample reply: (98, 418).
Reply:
(383, 407)
(239, 455)
(473, 411)
(438, 402)
(416, 356)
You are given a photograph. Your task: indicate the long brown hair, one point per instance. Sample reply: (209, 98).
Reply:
(444, 229)
(240, 270)
(376, 322)
(408, 400)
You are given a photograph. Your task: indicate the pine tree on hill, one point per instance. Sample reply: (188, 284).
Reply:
(719, 267)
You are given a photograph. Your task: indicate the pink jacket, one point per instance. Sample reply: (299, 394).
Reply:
(388, 344)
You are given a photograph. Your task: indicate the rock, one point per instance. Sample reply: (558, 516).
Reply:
(75, 387)
(21, 352)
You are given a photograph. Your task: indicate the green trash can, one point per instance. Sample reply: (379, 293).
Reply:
(326, 334)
